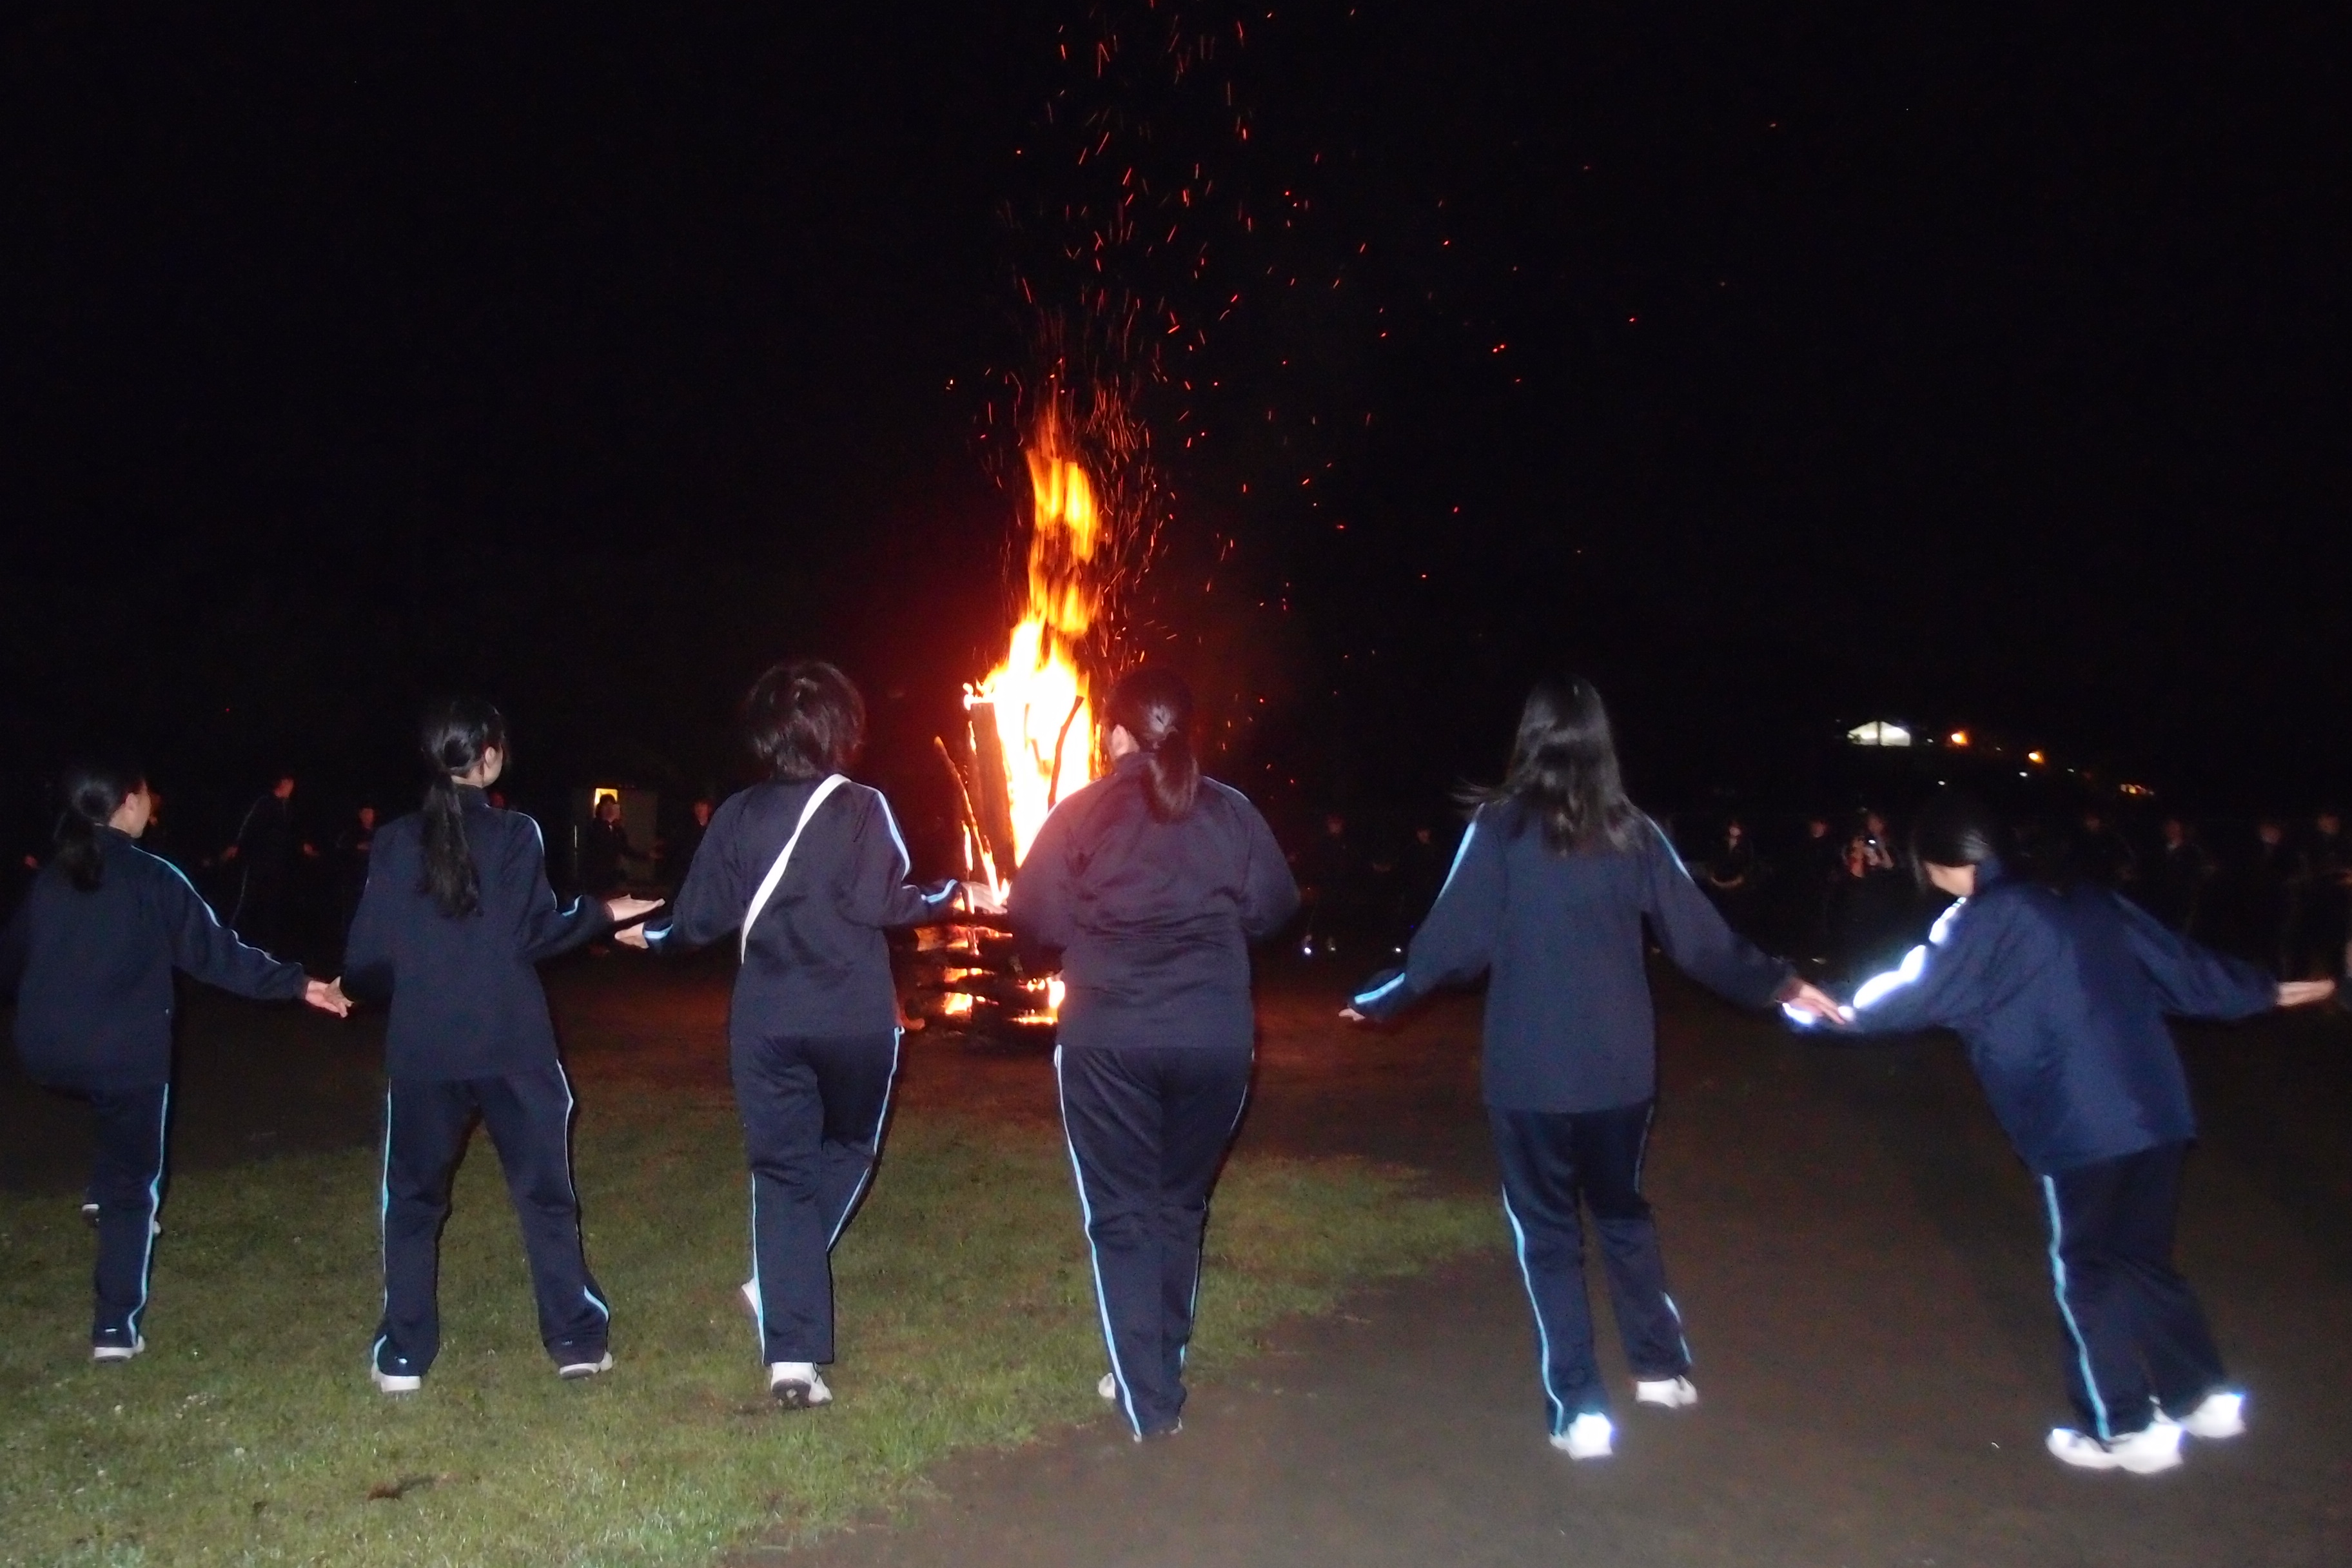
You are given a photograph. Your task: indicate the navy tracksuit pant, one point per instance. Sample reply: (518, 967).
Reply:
(2132, 1329)
(126, 1182)
(1550, 1159)
(528, 1117)
(813, 1112)
(1148, 1128)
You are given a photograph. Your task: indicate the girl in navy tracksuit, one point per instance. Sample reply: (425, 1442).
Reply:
(89, 956)
(811, 869)
(1151, 883)
(2060, 992)
(455, 917)
(1547, 894)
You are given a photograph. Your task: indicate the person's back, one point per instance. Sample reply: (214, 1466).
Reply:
(95, 999)
(463, 990)
(1569, 1023)
(1153, 918)
(2072, 1045)
(816, 962)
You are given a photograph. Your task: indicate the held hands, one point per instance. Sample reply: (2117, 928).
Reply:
(1806, 997)
(327, 996)
(2303, 993)
(629, 910)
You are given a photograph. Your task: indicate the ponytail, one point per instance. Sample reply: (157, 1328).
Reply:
(1155, 707)
(453, 738)
(93, 793)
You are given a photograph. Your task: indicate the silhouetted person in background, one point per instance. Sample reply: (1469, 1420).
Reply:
(1735, 877)
(264, 854)
(1329, 884)
(2326, 921)
(2267, 886)
(679, 853)
(1421, 865)
(603, 847)
(2173, 886)
(2104, 854)
(350, 866)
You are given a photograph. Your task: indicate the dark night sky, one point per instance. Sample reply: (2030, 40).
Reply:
(1781, 368)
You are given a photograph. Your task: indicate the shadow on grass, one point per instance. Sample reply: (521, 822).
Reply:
(248, 1433)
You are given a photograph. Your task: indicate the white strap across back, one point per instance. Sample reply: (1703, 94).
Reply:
(776, 872)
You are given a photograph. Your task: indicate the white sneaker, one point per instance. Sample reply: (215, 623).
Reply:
(2143, 1453)
(1108, 1387)
(392, 1382)
(106, 1355)
(797, 1384)
(1587, 1438)
(1672, 1393)
(574, 1371)
(2221, 1415)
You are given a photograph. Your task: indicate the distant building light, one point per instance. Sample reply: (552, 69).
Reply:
(2137, 792)
(2036, 758)
(1878, 732)
(1959, 737)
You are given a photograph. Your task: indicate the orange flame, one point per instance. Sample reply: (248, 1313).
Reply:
(1045, 716)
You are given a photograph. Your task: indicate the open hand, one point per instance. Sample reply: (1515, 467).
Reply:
(981, 899)
(635, 936)
(1353, 1017)
(327, 996)
(1807, 997)
(2303, 993)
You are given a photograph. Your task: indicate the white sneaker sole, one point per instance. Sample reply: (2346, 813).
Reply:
(110, 1355)
(2147, 1458)
(578, 1371)
(1587, 1439)
(388, 1382)
(1667, 1392)
(2222, 1415)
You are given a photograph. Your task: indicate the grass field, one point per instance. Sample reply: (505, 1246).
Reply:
(248, 1433)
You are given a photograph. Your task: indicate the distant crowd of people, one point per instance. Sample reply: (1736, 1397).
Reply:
(2275, 893)
(285, 883)
(1835, 890)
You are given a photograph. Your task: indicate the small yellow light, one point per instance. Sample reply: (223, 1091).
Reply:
(2036, 758)
(1959, 737)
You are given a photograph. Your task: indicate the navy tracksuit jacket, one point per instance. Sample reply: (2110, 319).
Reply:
(2060, 995)
(1570, 1063)
(92, 972)
(1153, 921)
(812, 1030)
(470, 1035)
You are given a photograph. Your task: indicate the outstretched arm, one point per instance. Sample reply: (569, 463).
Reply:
(2194, 980)
(210, 952)
(1269, 892)
(1695, 935)
(1939, 983)
(549, 927)
(1456, 942)
(878, 892)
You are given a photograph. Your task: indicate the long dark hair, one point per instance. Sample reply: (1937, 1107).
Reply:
(456, 730)
(1155, 706)
(1564, 772)
(93, 793)
(804, 719)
